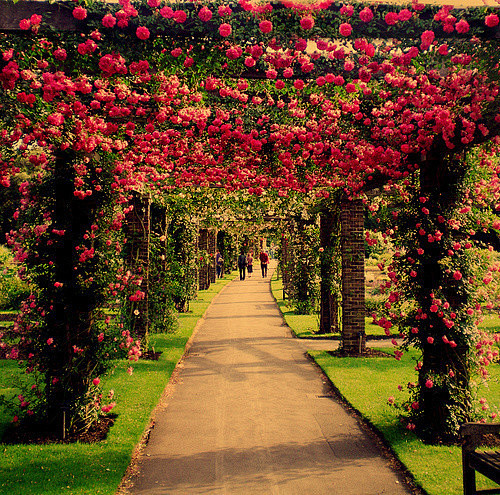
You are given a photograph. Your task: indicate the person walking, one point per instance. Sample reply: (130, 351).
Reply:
(242, 265)
(250, 264)
(264, 261)
(219, 264)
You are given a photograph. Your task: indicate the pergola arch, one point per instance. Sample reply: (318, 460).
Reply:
(168, 120)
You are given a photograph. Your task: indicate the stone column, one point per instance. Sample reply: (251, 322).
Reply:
(353, 276)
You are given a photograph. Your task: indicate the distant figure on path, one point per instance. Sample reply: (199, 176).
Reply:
(219, 264)
(242, 265)
(250, 264)
(264, 260)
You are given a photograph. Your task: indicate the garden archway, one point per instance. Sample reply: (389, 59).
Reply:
(232, 104)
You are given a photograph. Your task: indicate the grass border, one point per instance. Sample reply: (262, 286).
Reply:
(100, 468)
(369, 428)
(133, 467)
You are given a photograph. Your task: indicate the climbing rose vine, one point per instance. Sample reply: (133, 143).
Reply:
(149, 97)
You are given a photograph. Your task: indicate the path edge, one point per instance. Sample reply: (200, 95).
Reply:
(133, 467)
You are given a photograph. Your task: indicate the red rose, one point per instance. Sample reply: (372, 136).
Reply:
(79, 13)
(266, 26)
(307, 22)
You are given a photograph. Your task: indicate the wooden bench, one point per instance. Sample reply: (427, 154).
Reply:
(474, 458)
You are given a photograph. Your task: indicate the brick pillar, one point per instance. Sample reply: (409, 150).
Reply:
(138, 235)
(353, 276)
(212, 247)
(203, 273)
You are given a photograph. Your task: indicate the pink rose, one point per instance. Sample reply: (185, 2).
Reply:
(301, 44)
(462, 26)
(345, 29)
(491, 20)
(404, 15)
(24, 24)
(266, 26)
(457, 275)
(366, 15)
(225, 30)
(108, 21)
(96, 381)
(307, 22)
(249, 61)
(427, 38)
(443, 50)
(180, 16)
(271, 74)
(298, 84)
(347, 10)
(79, 13)
(391, 18)
(224, 10)
(205, 14)
(167, 12)
(142, 33)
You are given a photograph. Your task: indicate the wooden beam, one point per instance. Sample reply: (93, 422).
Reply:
(58, 16)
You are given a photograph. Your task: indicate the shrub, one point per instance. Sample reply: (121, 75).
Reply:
(13, 290)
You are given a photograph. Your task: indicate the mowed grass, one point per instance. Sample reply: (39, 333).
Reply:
(367, 383)
(84, 469)
(307, 326)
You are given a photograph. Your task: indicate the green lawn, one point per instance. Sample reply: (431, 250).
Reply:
(436, 468)
(307, 326)
(84, 469)
(366, 383)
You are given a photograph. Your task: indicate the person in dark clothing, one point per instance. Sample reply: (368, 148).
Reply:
(219, 261)
(264, 260)
(242, 265)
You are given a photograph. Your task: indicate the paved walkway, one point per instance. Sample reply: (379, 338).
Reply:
(250, 414)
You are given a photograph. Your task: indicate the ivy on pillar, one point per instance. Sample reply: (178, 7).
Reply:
(138, 230)
(329, 269)
(353, 276)
(211, 249)
(285, 260)
(203, 271)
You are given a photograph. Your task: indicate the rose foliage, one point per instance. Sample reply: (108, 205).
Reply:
(150, 97)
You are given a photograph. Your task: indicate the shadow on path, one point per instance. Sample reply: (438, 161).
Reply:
(248, 415)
